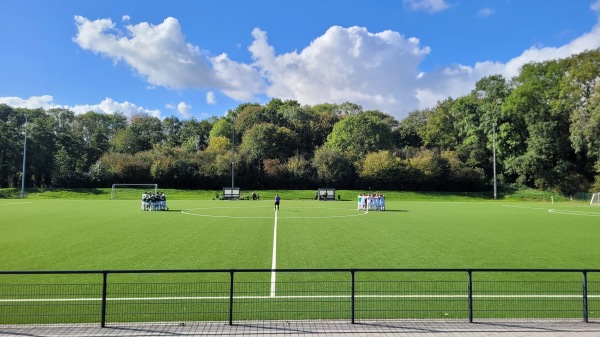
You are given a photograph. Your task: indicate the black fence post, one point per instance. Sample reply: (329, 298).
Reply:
(103, 312)
(585, 298)
(470, 272)
(352, 271)
(231, 297)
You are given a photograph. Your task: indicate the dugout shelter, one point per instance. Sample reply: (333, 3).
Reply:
(326, 194)
(231, 193)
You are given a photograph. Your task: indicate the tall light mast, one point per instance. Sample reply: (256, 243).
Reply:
(24, 161)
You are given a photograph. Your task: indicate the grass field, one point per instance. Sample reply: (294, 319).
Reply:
(104, 234)
(71, 234)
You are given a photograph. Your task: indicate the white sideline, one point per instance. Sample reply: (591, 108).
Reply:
(281, 297)
(274, 261)
(14, 203)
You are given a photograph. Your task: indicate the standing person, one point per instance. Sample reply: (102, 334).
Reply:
(277, 200)
(163, 202)
(144, 201)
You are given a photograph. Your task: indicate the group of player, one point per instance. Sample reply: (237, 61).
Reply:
(154, 202)
(371, 202)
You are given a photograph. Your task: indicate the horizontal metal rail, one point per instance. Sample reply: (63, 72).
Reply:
(348, 298)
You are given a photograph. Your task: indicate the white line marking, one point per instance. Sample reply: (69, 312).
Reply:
(281, 297)
(555, 211)
(573, 212)
(274, 262)
(15, 203)
(188, 212)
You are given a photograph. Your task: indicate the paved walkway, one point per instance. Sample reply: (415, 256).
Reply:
(334, 329)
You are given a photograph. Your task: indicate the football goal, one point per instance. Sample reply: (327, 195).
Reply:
(131, 191)
(595, 199)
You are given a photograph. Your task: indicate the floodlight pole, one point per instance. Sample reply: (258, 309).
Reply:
(494, 147)
(24, 161)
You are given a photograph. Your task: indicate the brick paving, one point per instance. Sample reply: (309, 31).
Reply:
(327, 328)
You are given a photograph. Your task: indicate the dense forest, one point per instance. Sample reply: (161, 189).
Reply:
(545, 124)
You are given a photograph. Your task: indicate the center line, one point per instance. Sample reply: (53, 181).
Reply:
(274, 263)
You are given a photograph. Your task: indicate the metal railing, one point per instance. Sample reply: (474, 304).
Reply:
(355, 295)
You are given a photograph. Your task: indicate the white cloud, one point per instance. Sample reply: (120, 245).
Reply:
(157, 52)
(377, 71)
(210, 98)
(184, 109)
(125, 18)
(162, 56)
(458, 80)
(486, 12)
(108, 106)
(431, 6)
(595, 6)
(244, 81)
(33, 102)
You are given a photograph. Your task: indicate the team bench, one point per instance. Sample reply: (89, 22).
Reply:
(231, 193)
(326, 194)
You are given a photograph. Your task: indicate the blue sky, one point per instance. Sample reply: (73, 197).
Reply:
(199, 58)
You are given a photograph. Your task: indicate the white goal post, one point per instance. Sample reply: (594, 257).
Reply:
(595, 199)
(127, 189)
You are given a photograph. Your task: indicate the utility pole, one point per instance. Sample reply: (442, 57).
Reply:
(494, 146)
(24, 161)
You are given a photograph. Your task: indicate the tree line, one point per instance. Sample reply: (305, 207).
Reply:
(544, 125)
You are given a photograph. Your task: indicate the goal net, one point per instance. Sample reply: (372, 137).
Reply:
(131, 191)
(595, 199)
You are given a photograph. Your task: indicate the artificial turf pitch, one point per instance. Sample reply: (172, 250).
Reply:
(211, 234)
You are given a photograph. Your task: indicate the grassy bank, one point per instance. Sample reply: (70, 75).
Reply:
(346, 195)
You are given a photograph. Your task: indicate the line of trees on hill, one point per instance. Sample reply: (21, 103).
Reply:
(546, 124)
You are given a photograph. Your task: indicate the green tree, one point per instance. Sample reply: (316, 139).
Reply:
(127, 141)
(323, 123)
(267, 141)
(408, 133)
(360, 134)
(41, 146)
(462, 177)
(428, 170)
(70, 156)
(172, 131)
(221, 128)
(125, 167)
(96, 131)
(12, 126)
(195, 134)
(301, 120)
(300, 172)
(488, 98)
(579, 93)
(247, 115)
(534, 106)
(148, 130)
(333, 167)
(442, 130)
(347, 109)
(382, 170)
